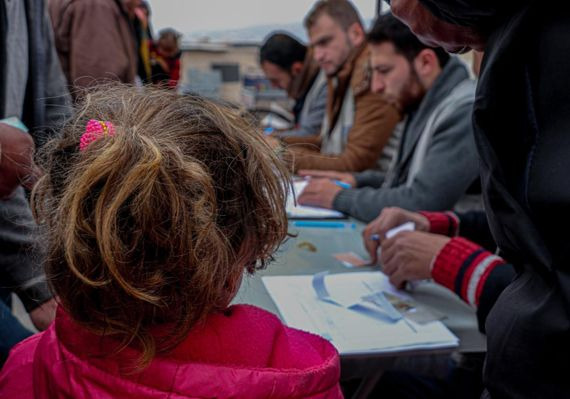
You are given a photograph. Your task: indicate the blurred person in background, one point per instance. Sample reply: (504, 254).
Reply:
(140, 13)
(436, 166)
(32, 90)
(359, 124)
(290, 66)
(165, 58)
(95, 40)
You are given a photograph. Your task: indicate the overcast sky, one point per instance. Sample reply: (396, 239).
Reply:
(197, 15)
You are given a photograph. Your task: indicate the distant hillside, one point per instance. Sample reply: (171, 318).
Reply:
(254, 34)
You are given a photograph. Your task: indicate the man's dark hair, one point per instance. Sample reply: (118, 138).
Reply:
(342, 11)
(282, 50)
(388, 28)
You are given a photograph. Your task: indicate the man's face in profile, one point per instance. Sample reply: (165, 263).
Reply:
(394, 76)
(278, 76)
(331, 44)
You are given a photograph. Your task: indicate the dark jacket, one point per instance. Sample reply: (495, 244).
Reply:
(474, 227)
(357, 125)
(46, 104)
(522, 128)
(47, 99)
(95, 41)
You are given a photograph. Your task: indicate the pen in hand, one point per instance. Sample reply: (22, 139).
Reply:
(342, 184)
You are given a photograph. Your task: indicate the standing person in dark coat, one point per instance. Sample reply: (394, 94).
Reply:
(95, 41)
(522, 126)
(32, 89)
(165, 58)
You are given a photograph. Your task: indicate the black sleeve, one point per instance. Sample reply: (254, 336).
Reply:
(21, 258)
(474, 226)
(499, 278)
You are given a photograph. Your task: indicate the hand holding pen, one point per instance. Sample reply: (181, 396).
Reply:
(390, 218)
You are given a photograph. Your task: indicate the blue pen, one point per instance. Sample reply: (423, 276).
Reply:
(324, 224)
(342, 184)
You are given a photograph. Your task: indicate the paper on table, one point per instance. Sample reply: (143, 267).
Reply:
(296, 211)
(352, 332)
(355, 300)
(343, 298)
(351, 259)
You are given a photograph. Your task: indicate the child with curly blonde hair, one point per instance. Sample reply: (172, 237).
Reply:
(154, 206)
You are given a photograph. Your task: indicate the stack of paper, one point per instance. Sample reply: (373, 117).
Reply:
(352, 329)
(296, 211)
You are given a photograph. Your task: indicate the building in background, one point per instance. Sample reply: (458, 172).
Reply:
(229, 72)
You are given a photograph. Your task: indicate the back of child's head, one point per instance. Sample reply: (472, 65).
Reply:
(156, 223)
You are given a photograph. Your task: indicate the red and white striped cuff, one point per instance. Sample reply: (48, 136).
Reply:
(463, 267)
(445, 223)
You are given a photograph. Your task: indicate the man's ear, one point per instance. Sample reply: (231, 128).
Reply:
(296, 68)
(426, 63)
(356, 34)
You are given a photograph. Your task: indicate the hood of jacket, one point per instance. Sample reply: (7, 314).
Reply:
(484, 14)
(243, 352)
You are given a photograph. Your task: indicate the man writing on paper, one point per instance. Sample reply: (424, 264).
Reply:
(521, 122)
(290, 66)
(436, 163)
(358, 123)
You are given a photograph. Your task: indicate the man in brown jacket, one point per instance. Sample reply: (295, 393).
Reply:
(358, 123)
(95, 40)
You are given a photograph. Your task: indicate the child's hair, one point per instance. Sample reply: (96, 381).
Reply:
(156, 224)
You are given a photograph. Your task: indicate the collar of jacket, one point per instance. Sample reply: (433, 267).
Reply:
(339, 84)
(345, 73)
(242, 352)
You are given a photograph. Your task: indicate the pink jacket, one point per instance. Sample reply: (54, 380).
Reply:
(245, 352)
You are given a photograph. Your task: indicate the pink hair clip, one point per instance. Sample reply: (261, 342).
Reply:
(94, 130)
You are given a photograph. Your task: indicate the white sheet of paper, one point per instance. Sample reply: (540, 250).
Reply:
(307, 212)
(352, 331)
(408, 226)
(366, 297)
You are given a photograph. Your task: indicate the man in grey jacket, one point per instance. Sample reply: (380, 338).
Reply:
(32, 89)
(290, 66)
(437, 162)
